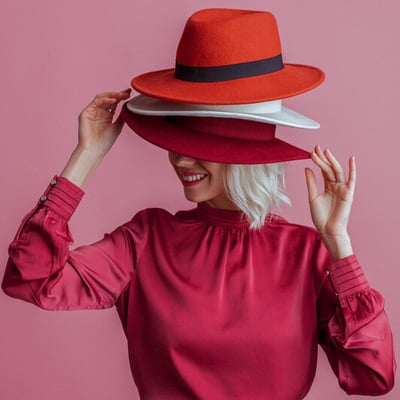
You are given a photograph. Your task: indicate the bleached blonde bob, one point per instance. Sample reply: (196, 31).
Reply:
(256, 189)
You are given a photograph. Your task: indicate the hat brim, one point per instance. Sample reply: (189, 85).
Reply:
(208, 147)
(150, 106)
(292, 80)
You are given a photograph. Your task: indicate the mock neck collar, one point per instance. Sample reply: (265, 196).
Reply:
(218, 216)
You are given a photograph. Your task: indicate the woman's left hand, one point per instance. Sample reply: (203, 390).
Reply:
(330, 210)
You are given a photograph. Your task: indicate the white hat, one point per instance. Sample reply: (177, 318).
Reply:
(271, 112)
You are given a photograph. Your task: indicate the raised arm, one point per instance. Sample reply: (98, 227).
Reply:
(353, 328)
(41, 268)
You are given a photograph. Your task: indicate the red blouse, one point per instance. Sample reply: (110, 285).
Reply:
(211, 309)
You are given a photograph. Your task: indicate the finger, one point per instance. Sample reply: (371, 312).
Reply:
(318, 151)
(321, 154)
(336, 166)
(101, 101)
(123, 94)
(325, 168)
(117, 95)
(352, 172)
(311, 182)
(105, 103)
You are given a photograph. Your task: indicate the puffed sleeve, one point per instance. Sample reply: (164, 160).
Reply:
(354, 330)
(42, 270)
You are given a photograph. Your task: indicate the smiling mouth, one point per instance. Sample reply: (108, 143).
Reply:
(190, 179)
(193, 178)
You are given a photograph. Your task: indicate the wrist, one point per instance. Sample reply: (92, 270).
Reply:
(339, 246)
(80, 165)
(87, 154)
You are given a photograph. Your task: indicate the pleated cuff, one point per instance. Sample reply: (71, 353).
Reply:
(347, 276)
(62, 196)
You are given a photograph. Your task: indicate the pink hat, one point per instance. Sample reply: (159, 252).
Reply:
(224, 140)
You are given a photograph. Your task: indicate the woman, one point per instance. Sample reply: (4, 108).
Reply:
(226, 300)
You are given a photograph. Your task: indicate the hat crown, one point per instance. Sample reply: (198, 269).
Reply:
(217, 37)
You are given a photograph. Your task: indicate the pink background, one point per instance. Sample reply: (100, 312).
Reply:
(58, 54)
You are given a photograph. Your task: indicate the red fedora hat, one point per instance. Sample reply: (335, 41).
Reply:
(224, 140)
(229, 56)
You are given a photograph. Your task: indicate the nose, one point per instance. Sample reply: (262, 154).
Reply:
(180, 160)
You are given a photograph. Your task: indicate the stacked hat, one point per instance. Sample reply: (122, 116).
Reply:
(223, 99)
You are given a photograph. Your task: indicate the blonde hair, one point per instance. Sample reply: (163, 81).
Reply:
(256, 189)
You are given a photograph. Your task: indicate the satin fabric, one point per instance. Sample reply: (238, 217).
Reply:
(210, 308)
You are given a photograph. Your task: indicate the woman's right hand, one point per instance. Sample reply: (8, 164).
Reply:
(97, 131)
(97, 134)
